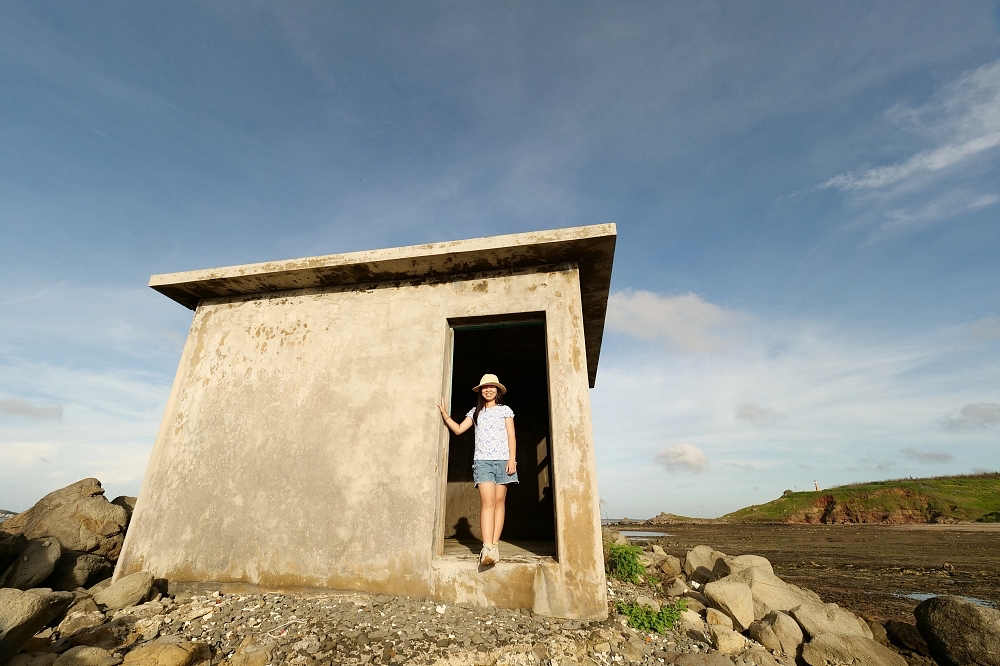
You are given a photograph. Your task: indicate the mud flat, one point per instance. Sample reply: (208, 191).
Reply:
(869, 569)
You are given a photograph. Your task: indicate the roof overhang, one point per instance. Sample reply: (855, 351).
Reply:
(592, 248)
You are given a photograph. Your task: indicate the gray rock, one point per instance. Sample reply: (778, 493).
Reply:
(848, 650)
(676, 588)
(959, 633)
(647, 602)
(711, 659)
(906, 636)
(778, 631)
(127, 591)
(78, 569)
(734, 599)
(879, 634)
(11, 545)
(730, 565)
(816, 619)
(670, 566)
(87, 656)
(699, 563)
(32, 566)
(770, 593)
(23, 614)
(726, 640)
(79, 516)
(127, 503)
(74, 623)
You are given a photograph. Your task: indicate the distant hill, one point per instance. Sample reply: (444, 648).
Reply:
(943, 499)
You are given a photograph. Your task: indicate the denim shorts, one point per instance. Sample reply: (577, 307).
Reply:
(492, 471)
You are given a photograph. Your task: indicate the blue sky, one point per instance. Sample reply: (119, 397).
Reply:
(806, 194)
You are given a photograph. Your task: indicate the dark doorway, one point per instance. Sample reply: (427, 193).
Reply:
(515, 352)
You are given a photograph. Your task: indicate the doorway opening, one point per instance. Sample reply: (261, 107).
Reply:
(513, 349)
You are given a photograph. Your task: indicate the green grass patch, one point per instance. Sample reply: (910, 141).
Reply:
(965, 498)
(991, 517)
(623, 563)
(644, 618)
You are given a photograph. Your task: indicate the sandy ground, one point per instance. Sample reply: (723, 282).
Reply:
(866, 568)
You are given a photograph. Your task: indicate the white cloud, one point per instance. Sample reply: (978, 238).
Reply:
(927, 456)
(682, 457)
(753, 413)
(944, 207)
(18, 407)
(686, 322)
(963, 120)
(973, 416)
(850, 402)
(24, 454)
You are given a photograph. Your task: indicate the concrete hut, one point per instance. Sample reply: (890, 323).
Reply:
(301, 445)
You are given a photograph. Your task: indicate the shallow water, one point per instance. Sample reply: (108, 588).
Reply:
(640, 536)
(923, 596)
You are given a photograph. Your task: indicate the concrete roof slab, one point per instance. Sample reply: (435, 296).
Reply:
(591, 248)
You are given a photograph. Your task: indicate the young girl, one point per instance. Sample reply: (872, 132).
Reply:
(494, 464)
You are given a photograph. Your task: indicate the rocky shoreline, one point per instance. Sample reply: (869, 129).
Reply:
(737, 613)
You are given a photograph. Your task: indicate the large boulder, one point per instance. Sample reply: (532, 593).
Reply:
(23, 614)
(699, 563)
(816, 619)
(86, 656)
(726, 640)
(79, 516)
(78, 569)
(32, 566)
(848, 650)
(11, 545)
(770, 593)
(127, 503)
(779, 632)
(729, 565)
(74, 623)
(959, 633)
(670, 566)
(734, 599)
(906, 636)
(127, 591)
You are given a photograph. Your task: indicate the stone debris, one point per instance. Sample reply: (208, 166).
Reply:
(738, 613)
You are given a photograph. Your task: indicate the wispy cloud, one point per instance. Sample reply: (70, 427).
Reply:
(751, 412)
(18, 407)
(682, 457)
(946, 206)
(961, 124)
(963, 120)
(973, 416)
(685, 323)
(927, 456)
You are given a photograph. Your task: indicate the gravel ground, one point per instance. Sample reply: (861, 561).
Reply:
(354, 628)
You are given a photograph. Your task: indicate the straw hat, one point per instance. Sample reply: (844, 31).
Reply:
(490, 380)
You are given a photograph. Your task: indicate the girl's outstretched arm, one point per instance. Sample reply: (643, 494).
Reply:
(453, 425)
(512, 445)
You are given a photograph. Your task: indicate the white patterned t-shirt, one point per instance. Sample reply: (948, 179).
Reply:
(491, 433)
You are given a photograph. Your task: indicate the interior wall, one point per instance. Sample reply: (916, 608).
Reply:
(516, 354)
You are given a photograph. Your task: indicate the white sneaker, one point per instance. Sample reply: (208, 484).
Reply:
(486, 556)
(496, 552)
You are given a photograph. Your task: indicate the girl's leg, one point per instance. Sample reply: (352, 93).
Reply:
(487, 509)
(499, 512)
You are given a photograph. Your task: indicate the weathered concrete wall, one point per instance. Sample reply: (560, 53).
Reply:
(301, 445)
